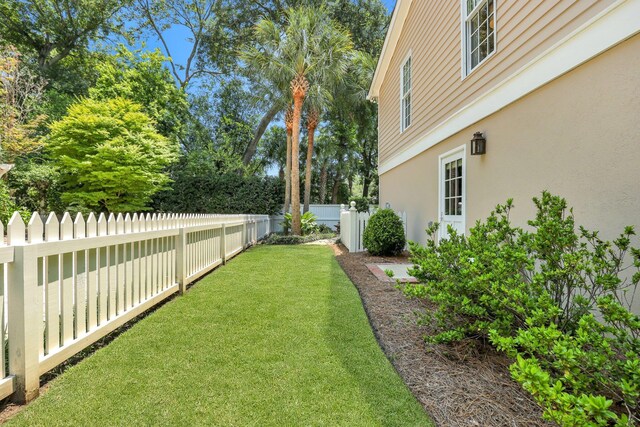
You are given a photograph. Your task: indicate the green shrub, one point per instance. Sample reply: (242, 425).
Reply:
(362, 204)
(325, 229)
(384, 234)
(8, 206)
(308, 221)
(209, 182)
(555, 299)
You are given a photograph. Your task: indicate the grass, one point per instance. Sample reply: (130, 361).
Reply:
(278, 337)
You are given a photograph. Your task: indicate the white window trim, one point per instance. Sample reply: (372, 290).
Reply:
(465, 54)
(402, 64)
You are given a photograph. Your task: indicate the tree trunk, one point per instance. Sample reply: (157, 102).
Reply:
(287, 176)
(323, 182)
(311, 128)
(336, 189)
(262, 127)
(365, 186)
(299, 88)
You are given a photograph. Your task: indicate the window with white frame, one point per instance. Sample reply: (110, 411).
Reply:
(405, 95)
(480, 35)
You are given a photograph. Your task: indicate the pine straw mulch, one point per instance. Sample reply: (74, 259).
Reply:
(467, 384)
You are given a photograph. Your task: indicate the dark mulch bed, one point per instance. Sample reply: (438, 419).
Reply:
(467, 384)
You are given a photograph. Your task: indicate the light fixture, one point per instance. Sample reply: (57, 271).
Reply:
(478, 144)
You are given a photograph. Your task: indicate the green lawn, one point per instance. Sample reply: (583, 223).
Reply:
(278, 337)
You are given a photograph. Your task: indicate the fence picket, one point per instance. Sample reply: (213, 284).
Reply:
(80, 282)
(52, 295)
(92, 275)
(103, 268)
(66, 284)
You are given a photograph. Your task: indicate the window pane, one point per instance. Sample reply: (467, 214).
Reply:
(483, 13)
(459, 206)
(474, 24)
(474, 41)
(483, 51)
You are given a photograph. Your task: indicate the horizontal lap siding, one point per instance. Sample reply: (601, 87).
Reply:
(431, 32)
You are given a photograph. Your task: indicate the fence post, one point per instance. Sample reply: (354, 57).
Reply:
(223, 244)
(25, 314)
(353, 228)
(255, 231)
(244, 233)
(181, 260)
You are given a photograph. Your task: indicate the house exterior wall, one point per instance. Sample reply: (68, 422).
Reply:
(432, 33)
(577, 136)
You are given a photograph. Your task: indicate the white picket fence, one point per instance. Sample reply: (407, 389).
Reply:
(66, 284)
(353, 223)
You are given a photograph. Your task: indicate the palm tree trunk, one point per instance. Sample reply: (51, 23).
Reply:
(323, 182)
(311, 128)
(299, 87)
(287, 176)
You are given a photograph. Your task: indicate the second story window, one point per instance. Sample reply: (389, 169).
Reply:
(480, 37)
(405, 95)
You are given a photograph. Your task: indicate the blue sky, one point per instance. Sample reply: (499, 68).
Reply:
(176, 38)
(389, 3)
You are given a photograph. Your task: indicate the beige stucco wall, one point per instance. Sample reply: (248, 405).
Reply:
(578, 136)
(432, 33)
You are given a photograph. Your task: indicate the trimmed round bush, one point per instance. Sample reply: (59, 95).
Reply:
(384, 234)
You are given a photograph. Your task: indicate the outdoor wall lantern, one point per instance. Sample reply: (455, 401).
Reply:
(478, 144)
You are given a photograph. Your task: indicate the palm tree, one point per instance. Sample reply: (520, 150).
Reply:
(310, 47)
(288, 120)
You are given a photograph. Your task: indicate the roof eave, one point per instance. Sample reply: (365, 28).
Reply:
(400, 13)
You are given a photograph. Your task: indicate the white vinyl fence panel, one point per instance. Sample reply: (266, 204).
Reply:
(353, 223)
(65, 284)
(328, 215)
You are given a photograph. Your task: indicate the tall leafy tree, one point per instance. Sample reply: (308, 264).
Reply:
(110, 156)
(21, 91)
(53, 29)
(142, 78)
(310, 46)
(201, 19)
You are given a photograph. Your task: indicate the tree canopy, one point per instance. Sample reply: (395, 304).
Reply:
(102, 108)
(110, 156)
